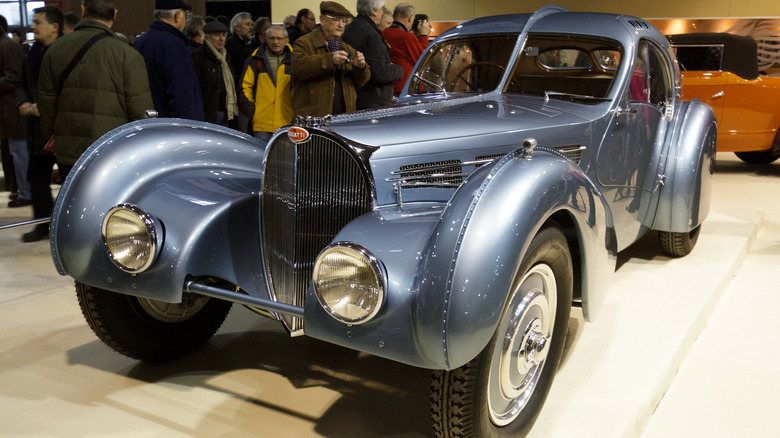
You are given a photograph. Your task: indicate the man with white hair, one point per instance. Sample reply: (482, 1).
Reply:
(238, 43)
(405, 47)
(238, 46)
(363, 34)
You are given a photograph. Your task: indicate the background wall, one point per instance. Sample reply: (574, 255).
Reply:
(460, 10)
(135, 15)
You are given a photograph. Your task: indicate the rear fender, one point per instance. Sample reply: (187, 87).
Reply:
(684, 198)
(200, 181)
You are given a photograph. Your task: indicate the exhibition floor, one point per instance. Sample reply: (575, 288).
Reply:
(683, 348)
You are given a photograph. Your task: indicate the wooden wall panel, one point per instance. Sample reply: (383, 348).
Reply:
(134, 16)
(459, 10)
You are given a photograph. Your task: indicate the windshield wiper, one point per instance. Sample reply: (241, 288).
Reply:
(431, 83)
(548, 94)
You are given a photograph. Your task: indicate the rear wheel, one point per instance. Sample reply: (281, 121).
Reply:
(759, 157)
(151, 330)
(678, 244)
(501, 391)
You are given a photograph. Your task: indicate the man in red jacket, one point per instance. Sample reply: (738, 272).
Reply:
(405, 47)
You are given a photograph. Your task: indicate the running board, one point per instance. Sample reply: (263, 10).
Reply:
(229, 295)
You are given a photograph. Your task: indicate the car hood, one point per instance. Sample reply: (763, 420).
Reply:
(439, 119)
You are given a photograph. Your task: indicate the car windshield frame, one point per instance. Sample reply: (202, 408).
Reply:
(465, 64)
(470, 64)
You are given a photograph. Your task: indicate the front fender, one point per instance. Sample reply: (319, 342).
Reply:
(476, 251)
(200, 181)
(449, 267)
(684, 199)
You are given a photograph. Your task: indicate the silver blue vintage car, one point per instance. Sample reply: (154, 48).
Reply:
(452, 231)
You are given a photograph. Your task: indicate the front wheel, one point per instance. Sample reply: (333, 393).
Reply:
(501, 391)
(151, 330)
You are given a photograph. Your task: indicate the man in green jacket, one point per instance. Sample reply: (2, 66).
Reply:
(108, 88)
(326, 72)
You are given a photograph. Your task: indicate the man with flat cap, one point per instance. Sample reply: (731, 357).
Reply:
(172, 79)
(326, 72)
(215, 75)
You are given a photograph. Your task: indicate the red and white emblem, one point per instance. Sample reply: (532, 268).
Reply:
(297, 134)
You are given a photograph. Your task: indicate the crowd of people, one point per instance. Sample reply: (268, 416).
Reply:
(60, 94)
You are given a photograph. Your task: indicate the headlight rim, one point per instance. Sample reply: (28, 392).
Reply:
(153, 229)
(378, 270)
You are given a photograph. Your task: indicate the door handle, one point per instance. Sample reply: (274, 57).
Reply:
(718, 94)
(621, 111)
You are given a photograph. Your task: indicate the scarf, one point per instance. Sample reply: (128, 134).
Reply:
(333, 45)
(231, 101)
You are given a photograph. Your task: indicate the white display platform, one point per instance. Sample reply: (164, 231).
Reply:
(638, 371)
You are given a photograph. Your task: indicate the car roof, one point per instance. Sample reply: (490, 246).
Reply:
(623, 28)
(740, 54)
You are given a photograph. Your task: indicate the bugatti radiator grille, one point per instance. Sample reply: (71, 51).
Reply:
(310, 191)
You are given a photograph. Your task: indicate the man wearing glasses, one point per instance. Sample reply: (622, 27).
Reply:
(172, 79)
(326, 72)
(265, 84)
(304, 23)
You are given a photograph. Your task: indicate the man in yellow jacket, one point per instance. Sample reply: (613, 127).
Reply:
(266, 85)
(327, 71)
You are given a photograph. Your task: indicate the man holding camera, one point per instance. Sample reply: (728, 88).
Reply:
(326, 72)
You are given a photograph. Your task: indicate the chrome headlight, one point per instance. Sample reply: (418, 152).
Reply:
(131, 238)
(349, 283)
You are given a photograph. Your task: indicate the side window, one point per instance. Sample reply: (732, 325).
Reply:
(639, 89)
(700, 57)
(651, 80)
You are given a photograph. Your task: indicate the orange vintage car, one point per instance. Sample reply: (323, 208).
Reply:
(722, 70)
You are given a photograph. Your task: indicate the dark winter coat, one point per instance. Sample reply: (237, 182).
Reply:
(172, 79)
(364, 36)
(239, 51)
(209, 73)
(28, 92)
(108, 88)
(12, 124)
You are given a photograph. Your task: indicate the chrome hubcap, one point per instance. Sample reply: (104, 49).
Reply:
(534, 347)
(526, 330)
(174, 312)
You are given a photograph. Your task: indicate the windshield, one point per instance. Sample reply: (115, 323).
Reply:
(471, 64)
(565, 66)
(573, 67)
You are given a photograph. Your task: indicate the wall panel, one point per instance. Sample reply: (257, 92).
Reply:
(134, 16)
(458, 10)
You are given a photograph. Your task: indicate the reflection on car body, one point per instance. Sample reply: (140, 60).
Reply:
(452, 231)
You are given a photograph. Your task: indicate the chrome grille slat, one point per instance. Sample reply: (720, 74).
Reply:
(310, 192)
(442, 172)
